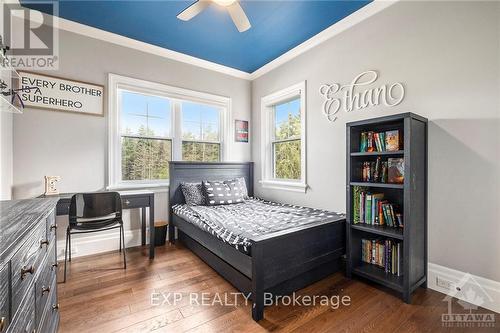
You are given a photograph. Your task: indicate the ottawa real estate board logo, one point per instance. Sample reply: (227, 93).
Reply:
(464, 306)
(29, 34)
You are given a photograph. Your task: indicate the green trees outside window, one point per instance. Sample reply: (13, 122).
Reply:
(287, 141)
(147, 139)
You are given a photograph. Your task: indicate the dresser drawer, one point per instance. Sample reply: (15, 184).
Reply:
(43, 287)
(52, 257)
(4, 298)
(51, 226)
(24, 319)
(26, 263)
(50, 317)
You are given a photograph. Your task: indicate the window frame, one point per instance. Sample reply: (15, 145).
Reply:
(219, 142)
(176, 96)
(268, 103)
(166, 138)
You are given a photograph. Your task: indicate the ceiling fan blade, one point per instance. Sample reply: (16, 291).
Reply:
(193, 10)
(239, 17)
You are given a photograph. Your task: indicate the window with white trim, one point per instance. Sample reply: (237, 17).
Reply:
(151, 124)
(200, 132)
(283, 144)
(146, 136)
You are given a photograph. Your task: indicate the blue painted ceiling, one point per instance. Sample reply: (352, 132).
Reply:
(277, 26)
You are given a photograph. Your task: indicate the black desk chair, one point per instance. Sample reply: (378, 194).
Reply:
(93, 212)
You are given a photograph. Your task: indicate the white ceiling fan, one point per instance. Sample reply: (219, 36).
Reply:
(233, 7)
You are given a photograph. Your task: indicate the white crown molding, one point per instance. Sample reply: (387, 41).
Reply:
(360, 15)
(365, 12)
(110, 37)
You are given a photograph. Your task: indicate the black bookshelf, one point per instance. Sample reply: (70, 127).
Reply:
(411, 198)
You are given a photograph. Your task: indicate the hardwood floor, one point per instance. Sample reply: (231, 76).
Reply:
(99, 296)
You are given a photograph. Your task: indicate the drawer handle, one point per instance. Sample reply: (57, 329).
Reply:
(24, 271)
(45, 290)
(44, 242)
(53, 227)
(127, 202)
(55, 306)
(3, 321)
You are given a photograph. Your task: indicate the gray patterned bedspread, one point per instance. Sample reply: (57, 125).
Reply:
(238, 224)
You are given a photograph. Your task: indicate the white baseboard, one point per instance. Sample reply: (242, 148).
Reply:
(85, 245)
(487, 291)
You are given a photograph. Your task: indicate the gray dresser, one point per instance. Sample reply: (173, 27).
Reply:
(28, 266)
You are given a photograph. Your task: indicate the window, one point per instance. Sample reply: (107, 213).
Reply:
(146, 143)
(200, 132)
(283, 150)
(286, 140)
(151, 124)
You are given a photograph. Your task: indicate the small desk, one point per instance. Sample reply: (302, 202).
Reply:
(130, 199)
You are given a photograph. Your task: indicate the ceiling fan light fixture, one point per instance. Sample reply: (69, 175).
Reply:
(233, 7)
(224, 3)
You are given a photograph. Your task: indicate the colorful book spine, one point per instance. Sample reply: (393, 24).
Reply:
(370, 145)
(363, 142)
(368, 209)
(386, 254)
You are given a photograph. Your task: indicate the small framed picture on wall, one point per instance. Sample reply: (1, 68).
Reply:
(241, 130)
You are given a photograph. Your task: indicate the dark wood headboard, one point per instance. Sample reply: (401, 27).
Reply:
(195, 172)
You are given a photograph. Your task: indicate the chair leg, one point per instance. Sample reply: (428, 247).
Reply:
(122, 234)
(66, 256)
(69, 242)
(120, 239)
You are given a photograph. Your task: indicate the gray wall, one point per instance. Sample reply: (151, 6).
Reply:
(448, 57)
(74, 146)
(6, 142)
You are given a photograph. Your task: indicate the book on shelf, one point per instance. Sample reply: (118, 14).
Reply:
(373, 209)
(380, 141)
(369, 138)
(375, 171)
(363, 142)
(384, 253)
(392, 140)
(395, 170)
(383, 176)
(356, 203)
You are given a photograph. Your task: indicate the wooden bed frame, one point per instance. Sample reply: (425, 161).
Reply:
(279, 263)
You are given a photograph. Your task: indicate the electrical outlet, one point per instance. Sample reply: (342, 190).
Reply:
(443, 283)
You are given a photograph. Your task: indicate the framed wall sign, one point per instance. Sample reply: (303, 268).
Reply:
(241, 130)
(59, 94)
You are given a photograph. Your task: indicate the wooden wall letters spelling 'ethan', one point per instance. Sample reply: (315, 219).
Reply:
(350, 97)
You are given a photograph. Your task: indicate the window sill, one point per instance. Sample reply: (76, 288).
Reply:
(284, 185)
(138, 186)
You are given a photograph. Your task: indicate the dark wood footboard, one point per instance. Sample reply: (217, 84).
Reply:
(292, 259)
(279, 263)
